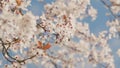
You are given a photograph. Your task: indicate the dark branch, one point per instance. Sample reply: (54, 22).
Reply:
(8, 57)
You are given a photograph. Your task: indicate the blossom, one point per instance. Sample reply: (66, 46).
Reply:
(118, 52)
(26, 27)
(92, 12)
(113, 28)
(115, 2)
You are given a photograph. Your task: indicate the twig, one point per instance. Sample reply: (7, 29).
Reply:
(8, 57)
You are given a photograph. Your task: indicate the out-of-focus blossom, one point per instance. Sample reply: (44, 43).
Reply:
(92, 12)
(118, 52)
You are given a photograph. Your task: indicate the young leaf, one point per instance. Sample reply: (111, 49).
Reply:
(47, 46)
(39, 44)
(18, 2)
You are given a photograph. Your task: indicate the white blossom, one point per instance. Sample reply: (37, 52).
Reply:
(118, 52)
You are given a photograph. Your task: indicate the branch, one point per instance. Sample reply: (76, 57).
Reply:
(8, 57)
(55, 65)
(109, 8)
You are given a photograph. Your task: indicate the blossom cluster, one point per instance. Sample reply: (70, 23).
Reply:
(50, 39)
